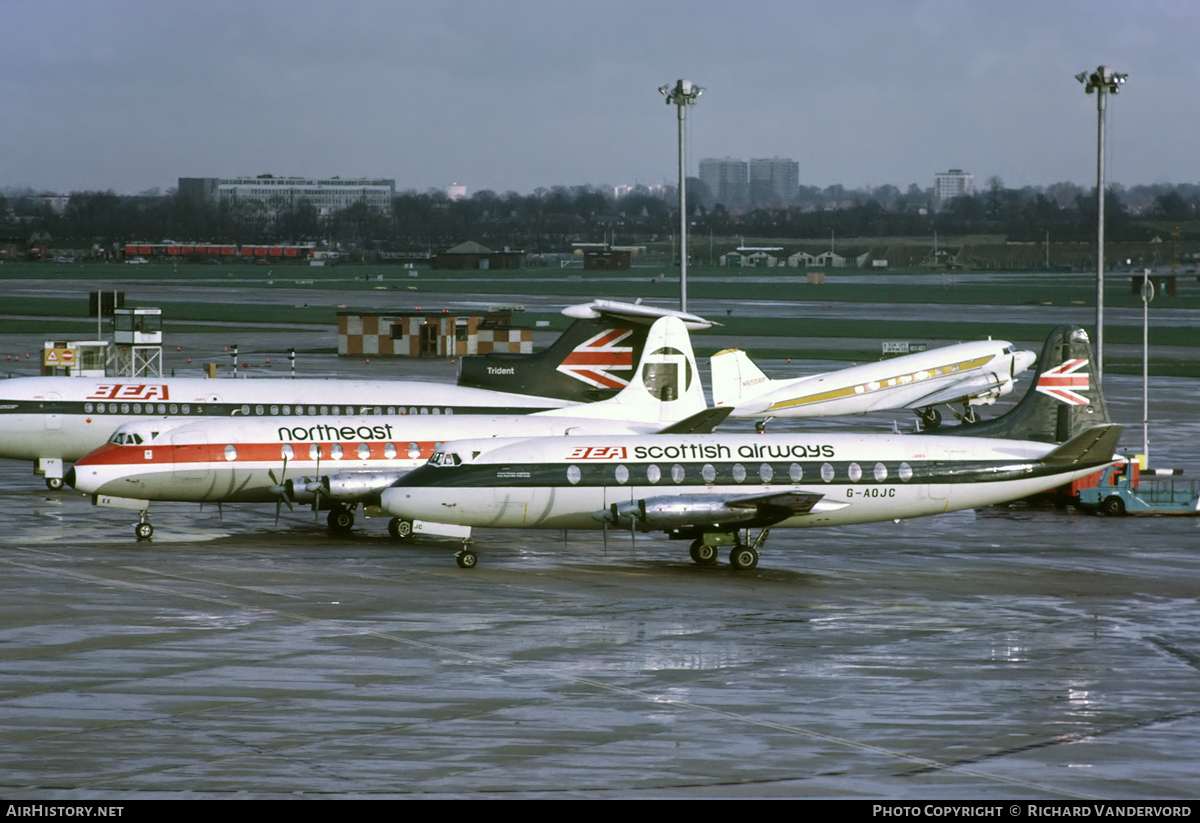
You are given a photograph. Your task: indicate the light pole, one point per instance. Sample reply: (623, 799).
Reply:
(1102, 82)
(683, 94)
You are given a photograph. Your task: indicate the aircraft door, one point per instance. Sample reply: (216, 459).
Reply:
(54, 418)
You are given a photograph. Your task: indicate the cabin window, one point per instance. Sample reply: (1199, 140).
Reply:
(300, 411)
(677, 473)
(314, 452)
(274, 410)
(708, 473)
(412, 409)
(739, 472)
(378, 410)
(424, 410)
(364, 451)
(827, 473)
(245, 410)
(574, 475)
(449, 410)
(286, 410)
(312, 409)
(336, 410)
(905, 472)
(855, 472)
(414, 451)
(258, 410)
(622, 475)
(287, 451)
(795, 472)
(324, 410)
(349, 410)
(389, 450)
(880, 472)
(335, 451)
(124, 408)
(162, 409)
(765, 472)
(231, 452)
(187, 409)
(174, 409)
(391, 410)
(653, 473)
(87, 408)
(137, 408)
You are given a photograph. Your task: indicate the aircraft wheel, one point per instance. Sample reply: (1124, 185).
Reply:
(467, 559)
(400, 529)
(930, 418)
(144, 531)
(1113, 506)
(743, 557)
(702, 553)
(340, 519)
(54, 483)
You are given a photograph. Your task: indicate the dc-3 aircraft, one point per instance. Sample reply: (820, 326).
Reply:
(971, 374)
(52, 420)
(710, 489)
(341, 461)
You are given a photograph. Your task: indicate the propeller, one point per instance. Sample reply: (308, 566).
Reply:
(280, 489)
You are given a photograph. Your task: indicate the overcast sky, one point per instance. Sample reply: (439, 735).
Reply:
(517, 94)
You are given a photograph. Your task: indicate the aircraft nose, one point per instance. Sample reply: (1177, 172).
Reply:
(1024, 360)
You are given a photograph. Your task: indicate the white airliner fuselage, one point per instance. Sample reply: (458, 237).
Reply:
(708, 487)
(973, 373)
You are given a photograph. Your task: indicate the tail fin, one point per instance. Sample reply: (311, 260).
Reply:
(592, 360)
(664, 389)
(735, 378)
(1060, 403)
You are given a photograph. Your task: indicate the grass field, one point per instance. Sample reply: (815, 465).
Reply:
(335, 287)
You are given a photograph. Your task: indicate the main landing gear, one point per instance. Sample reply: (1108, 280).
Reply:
(742, 555)
(400, 529)
(340, 519)
(54, 484)
(930, 418)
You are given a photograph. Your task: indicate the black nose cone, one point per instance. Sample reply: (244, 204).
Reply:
(69, 477)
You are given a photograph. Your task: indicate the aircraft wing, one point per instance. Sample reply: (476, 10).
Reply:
(702, 422)
(688, 511)
(967, 387)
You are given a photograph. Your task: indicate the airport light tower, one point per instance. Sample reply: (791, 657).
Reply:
(1102, 82)
(683, 94)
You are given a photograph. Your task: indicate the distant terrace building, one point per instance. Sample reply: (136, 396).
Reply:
(328, 194)
(472, 255)
(951, 184)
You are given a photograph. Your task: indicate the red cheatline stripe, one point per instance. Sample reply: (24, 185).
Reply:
(114, 455)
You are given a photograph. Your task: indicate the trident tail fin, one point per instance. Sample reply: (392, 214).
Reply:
(1061, 402)
(594, 359)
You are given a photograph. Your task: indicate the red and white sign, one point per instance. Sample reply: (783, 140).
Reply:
(129, 391)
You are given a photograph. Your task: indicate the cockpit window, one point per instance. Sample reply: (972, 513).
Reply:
(125, 439)
(441, 458)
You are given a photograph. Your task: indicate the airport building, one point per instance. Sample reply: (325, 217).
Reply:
(950, 184)
(429, 333)
(328, 195)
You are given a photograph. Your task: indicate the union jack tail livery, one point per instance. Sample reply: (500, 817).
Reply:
(592, 360)
(1059, 404)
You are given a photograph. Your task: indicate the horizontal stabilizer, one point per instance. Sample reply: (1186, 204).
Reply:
(703, 422)
(1093, 446)
(635, 312)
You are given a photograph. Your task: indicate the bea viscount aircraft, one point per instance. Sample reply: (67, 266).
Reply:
(971, 374)
(337, 462)
(711, 489)
(52, 420)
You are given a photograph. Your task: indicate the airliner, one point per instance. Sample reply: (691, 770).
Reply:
(713, 489)
(52, 420)
(339, 461)
(970, 374)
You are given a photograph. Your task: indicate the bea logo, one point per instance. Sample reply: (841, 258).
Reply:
(129, 391)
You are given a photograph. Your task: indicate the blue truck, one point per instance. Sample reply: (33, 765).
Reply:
(1120, 491)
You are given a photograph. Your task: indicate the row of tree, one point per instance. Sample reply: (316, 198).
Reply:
(549, 220)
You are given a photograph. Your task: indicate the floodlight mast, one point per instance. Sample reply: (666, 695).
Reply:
(683, 94)
(1103, 81)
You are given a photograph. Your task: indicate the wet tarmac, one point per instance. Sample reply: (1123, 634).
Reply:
(1015, 652)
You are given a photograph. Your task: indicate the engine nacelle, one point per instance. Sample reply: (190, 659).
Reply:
(673, 511)
(348, 487)
(298, 489)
